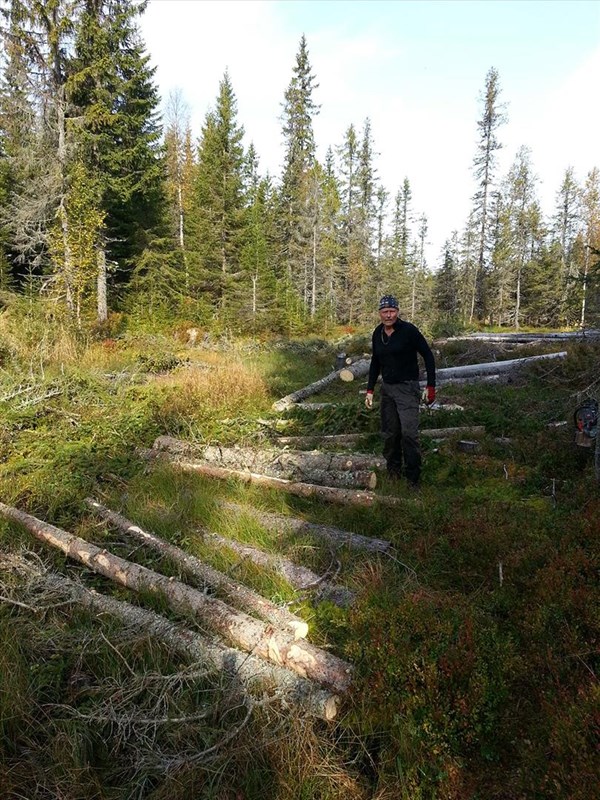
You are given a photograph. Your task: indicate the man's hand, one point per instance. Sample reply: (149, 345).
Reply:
(369, 400)
(430, 395)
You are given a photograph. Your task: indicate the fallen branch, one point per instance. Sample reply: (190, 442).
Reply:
(297, 576)
(238, 628)
(235, 593)
(333, 536)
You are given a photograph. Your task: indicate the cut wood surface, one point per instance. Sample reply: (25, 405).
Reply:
(326, 469)
(284, 525)
(444, 433)
(237, 627)
(327, 493)
(356, 370)
(235, 592)
(240, 669)
(306, 391)
(297, 576)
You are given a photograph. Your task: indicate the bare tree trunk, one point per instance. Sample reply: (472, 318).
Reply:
(233, 591)
(313, 388)
(245, 632)
(249, 671)
(102, 304)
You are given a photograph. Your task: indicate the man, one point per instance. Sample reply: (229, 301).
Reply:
(395, 345)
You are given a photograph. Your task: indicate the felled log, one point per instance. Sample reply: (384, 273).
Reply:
(235, 592)
(314, 406)
(296, 575)
(335, 537)
(248, 671)
(237, 627)
(525, 338)
(468, 446)
(468, 379)
(327, 493)
(263, 459)
(446, 373)
(306, 391)
(444, 433)
(340, 439)
(356, 370)
(324, 469)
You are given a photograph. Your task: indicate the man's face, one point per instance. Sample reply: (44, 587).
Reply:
(388, 315)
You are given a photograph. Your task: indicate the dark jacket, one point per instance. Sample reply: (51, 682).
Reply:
(395, 357)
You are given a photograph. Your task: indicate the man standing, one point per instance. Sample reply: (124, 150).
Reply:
(395, 345)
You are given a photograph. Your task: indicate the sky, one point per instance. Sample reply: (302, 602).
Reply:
(415, 68)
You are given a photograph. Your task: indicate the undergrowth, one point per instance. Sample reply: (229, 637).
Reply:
(475, 643)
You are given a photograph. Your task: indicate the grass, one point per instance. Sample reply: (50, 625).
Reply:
(475, 647)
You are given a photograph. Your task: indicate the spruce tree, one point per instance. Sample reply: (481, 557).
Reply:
(297, 201)
(219, 197)
(484, 165)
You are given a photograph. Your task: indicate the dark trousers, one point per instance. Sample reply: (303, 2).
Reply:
(400, 428)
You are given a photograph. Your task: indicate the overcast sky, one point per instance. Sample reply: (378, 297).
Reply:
(415, 68)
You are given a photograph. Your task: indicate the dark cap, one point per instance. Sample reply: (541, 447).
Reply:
(388, 301)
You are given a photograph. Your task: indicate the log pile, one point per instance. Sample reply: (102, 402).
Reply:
(279, 647)
(323, 469)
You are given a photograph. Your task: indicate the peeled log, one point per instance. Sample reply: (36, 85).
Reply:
(333, 536)
(251, 672)
(299, 577)
(238, 628)
(235, 593)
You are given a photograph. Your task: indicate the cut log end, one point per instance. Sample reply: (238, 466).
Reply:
(346, 375)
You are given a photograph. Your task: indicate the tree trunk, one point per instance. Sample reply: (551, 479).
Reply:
(356, 370)
(238, 628)
(341, 439)
(249, 671)
(313, 388)
(289, 525)
(297, 576)
(327, 493)
(278, 463)
(235, 593)
(102, 304)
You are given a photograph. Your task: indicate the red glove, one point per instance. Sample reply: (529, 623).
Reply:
(430, 395)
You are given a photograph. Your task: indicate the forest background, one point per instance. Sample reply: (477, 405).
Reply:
(107, 208)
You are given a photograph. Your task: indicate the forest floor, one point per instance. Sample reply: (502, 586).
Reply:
(475, 643)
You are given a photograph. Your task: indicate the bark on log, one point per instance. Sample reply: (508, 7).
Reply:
(324, 469)
(238, 628)
(488, 368)
(296, 575)
(444, 433)
(234, 592)
(250, 672)
(523, 338)
(356, 370)
(333, 536)
(340, 439)
(327, 493)
(278, 463)
(306, 391)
